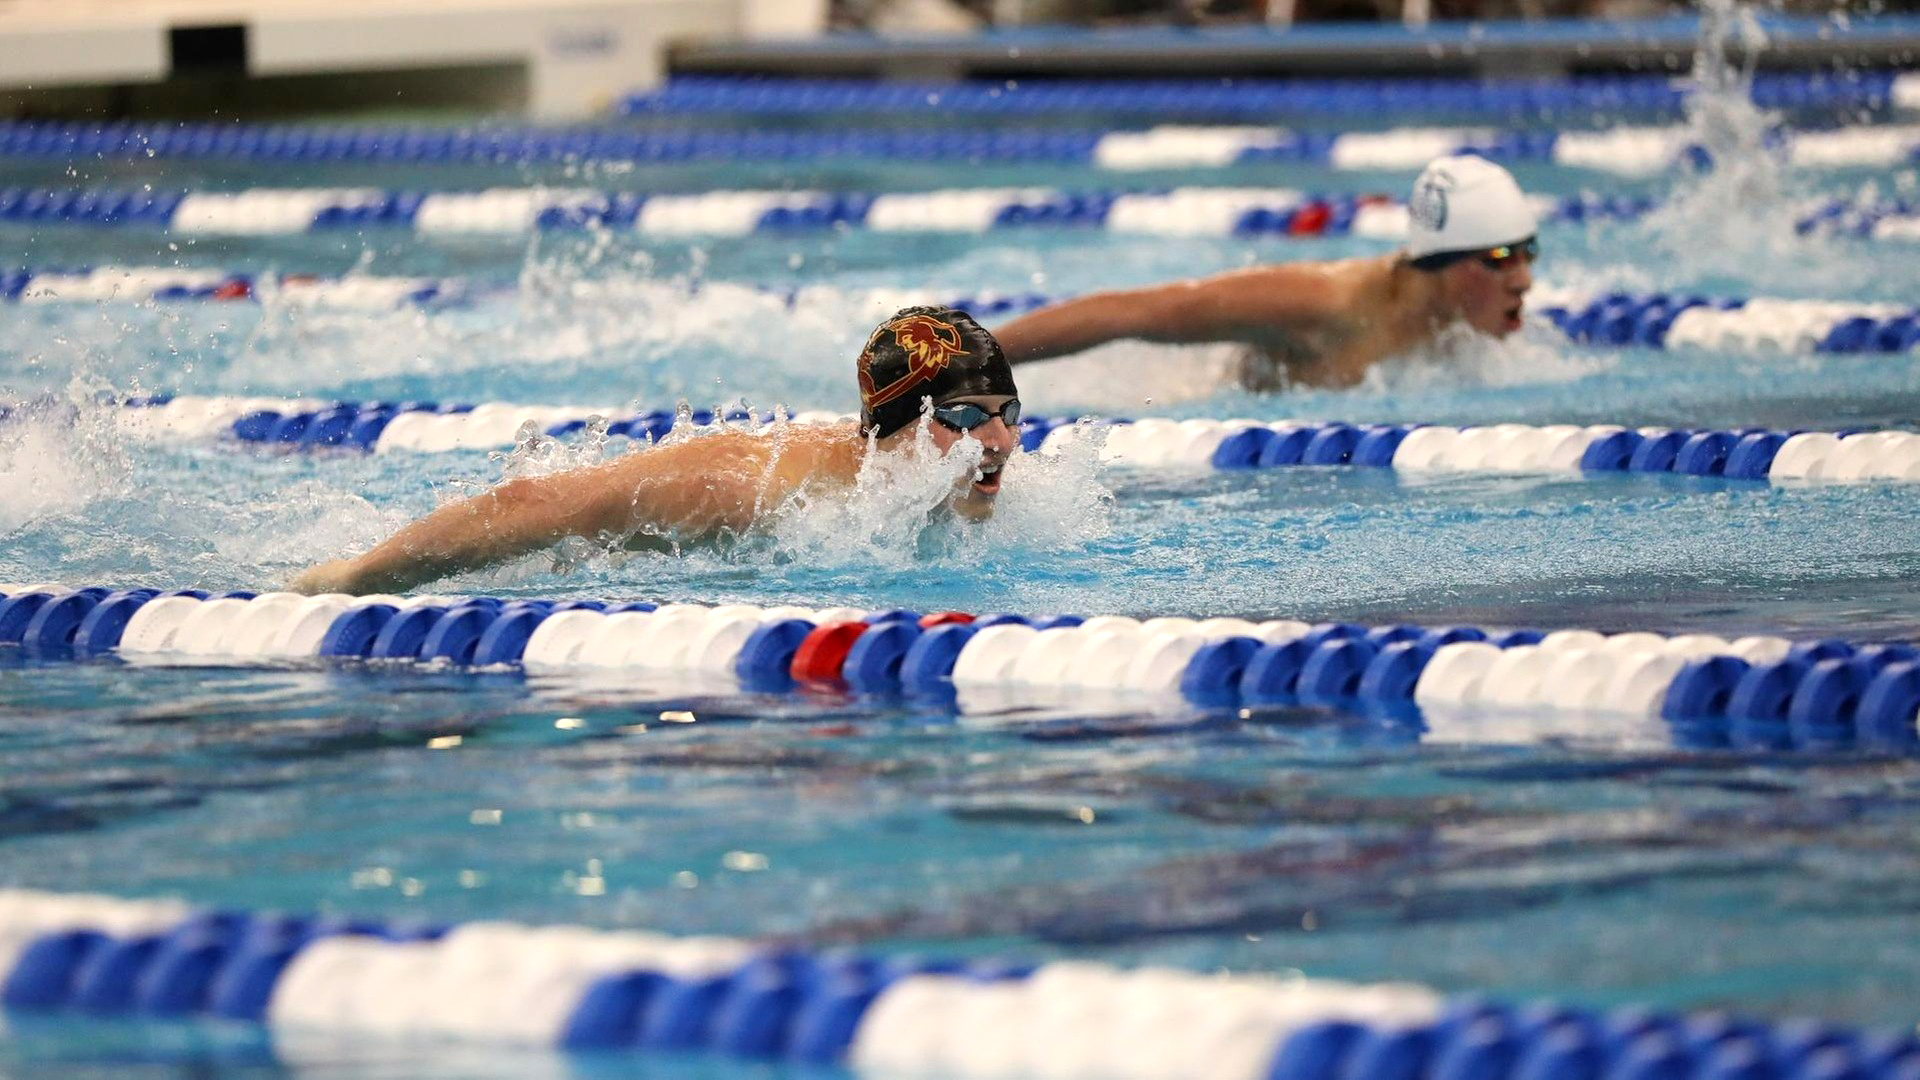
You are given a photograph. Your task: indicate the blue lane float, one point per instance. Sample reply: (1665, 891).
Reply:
(166, 284)
(1735, 454)
(1184, 211)
(422, 426)
(1169, 211)
(1254, 100)
(1654, 320)
(1757, 690)
(577, 989)
(1179, 211)
(1614, 150)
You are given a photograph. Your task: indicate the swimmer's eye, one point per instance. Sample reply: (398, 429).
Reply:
(1502, 257)
(965, 415)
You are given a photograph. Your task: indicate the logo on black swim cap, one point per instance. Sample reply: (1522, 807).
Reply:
(928, 343)
(926, 352)
(1428, 206)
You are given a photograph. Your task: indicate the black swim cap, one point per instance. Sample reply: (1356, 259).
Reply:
(927, 352)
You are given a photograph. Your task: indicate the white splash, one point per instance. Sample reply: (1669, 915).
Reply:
(1572, 279)
(1052, 500)
(535, 453)
(1737, 217)
(57, 457)
(896, 498)
(302, 523)
(1461, 357)
(896, 513)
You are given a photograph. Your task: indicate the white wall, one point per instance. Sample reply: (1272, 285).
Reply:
(580, 55)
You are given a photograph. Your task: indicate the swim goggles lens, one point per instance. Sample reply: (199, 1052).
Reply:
(965, 415)
(1502, 257)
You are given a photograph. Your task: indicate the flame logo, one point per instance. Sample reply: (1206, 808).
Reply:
(930, 345)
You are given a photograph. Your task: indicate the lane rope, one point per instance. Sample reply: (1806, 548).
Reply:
(1618, 150)
(1184, 211)
(1177, 211)
(1653, 320)
(581, 989)
(1763, 691)
(1753, 453)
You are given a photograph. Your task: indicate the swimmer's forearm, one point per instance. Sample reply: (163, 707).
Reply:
(1172, 314)
(511, 520)
(459, 536)
(1059, 330)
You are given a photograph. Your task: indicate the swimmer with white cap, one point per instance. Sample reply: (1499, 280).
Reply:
(925, 367)
(1468, 261)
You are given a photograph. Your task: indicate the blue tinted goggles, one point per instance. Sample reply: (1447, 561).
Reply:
(965, 415)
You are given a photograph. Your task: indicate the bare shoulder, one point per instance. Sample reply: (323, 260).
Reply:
(1324, 282)
(707, 482)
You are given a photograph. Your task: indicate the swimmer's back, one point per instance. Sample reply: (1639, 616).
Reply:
(728, 478)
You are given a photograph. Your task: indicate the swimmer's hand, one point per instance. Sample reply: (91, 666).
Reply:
(333, 576)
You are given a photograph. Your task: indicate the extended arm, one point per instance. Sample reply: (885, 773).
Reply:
(698, 486)
(1246, 305)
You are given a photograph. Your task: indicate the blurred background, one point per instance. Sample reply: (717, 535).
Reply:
(975, 14)
(574, 60)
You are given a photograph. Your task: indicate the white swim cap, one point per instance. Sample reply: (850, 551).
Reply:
(1465, 203)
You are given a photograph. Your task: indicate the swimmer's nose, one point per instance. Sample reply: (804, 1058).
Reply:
(1520, 277)
(997, 437)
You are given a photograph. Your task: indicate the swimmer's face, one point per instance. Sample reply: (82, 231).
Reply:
(1489, 288)
(974, 496)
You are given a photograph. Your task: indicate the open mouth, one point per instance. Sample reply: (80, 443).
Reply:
(1513, 320)
(986, 479)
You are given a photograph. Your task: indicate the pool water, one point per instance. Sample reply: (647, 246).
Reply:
(1596, 861)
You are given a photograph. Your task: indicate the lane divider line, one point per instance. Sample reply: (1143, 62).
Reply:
(578, 989)
(1752, 691)
(1642, 320)
(1640, 151)
(1184, 211)
(1754, 453)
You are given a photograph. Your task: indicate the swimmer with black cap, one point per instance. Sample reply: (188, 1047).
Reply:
(1468, 262)
(925, 365)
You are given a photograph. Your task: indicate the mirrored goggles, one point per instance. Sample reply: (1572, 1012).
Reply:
(1502, 257)
(965, 415)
